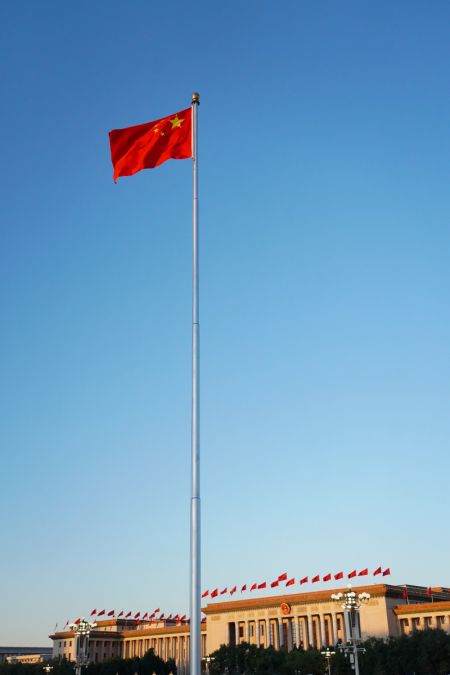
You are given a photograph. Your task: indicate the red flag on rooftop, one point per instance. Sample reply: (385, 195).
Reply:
(136, 621)
(254, 587)
(274, 584)
(304, 580)
(205, 594)
(315, 579)
(145, 616)
(386, 572)
(169, 617)
(101, 613)
(77, 621)
(120, 614)
(225, 590)
(291, 582)
(233, 590)
(283, 577)
(129, 614)
(156, 610)
(94, 612)
(327, 577)
(111, 613)
(161, 617)
(244, 588)
(263, 585)
(428, 591)
(137, 615)
(405, 594)
(183, 618)
(363, 572)
(377, 571)
(352, 574)
(146, 146)
(215, 593)
(339, 575)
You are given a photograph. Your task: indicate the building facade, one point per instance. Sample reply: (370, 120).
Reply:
(283, 621)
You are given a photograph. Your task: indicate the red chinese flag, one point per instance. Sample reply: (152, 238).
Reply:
(283, 577)
(274, 584)
(352, 574)
(145, 616)
(254, 587)
(148, 145)
(77, 621)
(205, 594)
(233, 590)
(304, 580)
(183, 618)
(161, 617)
(327, 577)
(101, 613)
(339, 575)
(111, 613)
(244, 588)
(136, 621)
(405, 594)
(387, 572)
(428, 591)
(363, 572)
(137, 615)
(120, 614)
(263, 585)
(377, 571)
(225, 590)
(215, 593)
(291, 582)
(169, 617)
(129, 614)
(156, 610)
(315, 579)
(94, 612)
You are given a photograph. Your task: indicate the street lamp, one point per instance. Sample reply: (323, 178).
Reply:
(47, 668)
(82, 629)
(351, 604)
(328, 654)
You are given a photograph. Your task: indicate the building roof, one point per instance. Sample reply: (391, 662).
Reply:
(439, 605)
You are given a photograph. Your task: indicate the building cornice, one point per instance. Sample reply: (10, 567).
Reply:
(420, 607)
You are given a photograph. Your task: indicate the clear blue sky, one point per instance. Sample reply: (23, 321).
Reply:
(325, 283)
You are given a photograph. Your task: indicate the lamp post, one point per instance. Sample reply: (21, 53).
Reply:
(328, 654)
(82, 629)
(351, 604)
(47, 668)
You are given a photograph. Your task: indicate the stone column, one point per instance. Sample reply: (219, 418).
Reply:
(280, 633)
(310, 632)
(257, 637)
(268, 635)
(322, 638)
(247, 630)
(289, 634)
(236, 624)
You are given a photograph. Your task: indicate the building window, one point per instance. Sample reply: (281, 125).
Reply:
(261, 629)
(241, 631)
(252, 630)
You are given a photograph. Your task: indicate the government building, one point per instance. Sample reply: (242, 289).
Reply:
(283, 621)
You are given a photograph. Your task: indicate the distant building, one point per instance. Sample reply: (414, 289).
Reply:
(25, 654)
(296, 620)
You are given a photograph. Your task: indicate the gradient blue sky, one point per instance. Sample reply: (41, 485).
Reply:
(325, 283)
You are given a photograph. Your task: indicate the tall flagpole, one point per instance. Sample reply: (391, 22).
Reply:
(195, 626)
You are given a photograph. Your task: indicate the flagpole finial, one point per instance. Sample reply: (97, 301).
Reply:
(196, 97)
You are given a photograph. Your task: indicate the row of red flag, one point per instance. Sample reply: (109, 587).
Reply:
(137, 618)
(292, 581)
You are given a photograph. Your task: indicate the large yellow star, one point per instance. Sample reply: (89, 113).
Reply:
(176, 122)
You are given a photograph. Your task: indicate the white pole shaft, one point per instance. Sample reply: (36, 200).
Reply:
(195, 626)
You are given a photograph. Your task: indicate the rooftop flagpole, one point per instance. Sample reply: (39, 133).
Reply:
(195, 599)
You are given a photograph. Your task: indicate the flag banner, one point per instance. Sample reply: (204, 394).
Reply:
(156, 610)
(405, 594)
(129, 614)
(215, 593)
(315, 579)
(120, 614)
(94, 612)
(205, 594)
(428, 591)
(339, 575)
(283, 577)
(244, 588)
(254, 587)
(111, 613)
(274, 584)
(291, 582)
(137, 615)
(146, 146)
(352, 574)
(377, 571)
(233, 590)
(327, 577)
(225, 590)
(263, 585)
(363, 572)
(101, 613)
(304, 580)
(386, 572)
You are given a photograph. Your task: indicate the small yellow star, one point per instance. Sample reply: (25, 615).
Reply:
(176, 122)
(156, 130)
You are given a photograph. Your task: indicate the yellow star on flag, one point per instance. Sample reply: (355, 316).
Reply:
(176, 122)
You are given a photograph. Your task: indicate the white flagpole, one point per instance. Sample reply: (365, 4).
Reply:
(195, 627)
